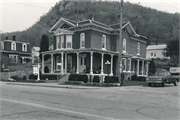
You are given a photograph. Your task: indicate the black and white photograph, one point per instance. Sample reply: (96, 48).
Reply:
(89, 60)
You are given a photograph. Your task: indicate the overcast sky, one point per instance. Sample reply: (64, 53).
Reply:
(18, 15)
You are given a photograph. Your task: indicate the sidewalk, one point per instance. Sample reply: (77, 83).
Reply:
(77, 86)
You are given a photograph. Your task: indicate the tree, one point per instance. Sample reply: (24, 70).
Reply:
(44, 46)
(152, 67)
(172, 50)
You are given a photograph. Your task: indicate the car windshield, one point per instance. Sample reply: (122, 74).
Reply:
(160, 73)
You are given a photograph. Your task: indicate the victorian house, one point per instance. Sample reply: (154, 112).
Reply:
(92, 48)
(14, 52)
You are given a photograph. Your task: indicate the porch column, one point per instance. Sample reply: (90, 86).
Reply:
(91, 69)
(147, 68)
(65, 63)
(102, 58)
(137, 67)
(129, 64)
(77, 71)
(62, 62)
(52, 63)
(42, 63)
(142, 67)
(111, 74)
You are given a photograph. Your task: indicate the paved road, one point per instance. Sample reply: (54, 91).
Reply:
(103, 103)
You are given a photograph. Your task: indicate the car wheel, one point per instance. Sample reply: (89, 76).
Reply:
(163, 83)
(176, 83)
(149, 84)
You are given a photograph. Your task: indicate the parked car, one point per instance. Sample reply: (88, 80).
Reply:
(162, 77)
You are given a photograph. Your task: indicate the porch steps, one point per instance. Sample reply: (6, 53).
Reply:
(64, 78)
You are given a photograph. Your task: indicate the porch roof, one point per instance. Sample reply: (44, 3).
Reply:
(80, 51)
(140, 58)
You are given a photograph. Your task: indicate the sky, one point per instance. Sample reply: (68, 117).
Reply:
(19, 15)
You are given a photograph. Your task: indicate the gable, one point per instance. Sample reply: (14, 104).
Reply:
(62, 23)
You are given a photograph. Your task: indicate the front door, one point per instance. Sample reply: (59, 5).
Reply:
(69, 63)
(82, 63)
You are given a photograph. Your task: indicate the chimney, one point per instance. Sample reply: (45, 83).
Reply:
(6, 38)
(14, 38)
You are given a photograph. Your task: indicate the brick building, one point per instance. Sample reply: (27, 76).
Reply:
(92, 47)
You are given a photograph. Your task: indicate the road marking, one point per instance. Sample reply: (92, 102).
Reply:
(46, 107)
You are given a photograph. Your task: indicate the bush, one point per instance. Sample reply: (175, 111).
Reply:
(96, 79)
(134, 77)
(24, 77)
(77, 77)
(111, 79)
(32, 76)
(83, 78)
(141, 78)
(73, 77)
(43, 77)
(15, 77)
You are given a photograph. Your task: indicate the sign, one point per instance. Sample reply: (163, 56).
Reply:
(174, 70)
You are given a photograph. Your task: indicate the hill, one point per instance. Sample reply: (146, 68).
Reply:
(158, 26)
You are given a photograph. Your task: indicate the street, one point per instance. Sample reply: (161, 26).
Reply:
(92, 103)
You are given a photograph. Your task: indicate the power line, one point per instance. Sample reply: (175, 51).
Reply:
(28, 4)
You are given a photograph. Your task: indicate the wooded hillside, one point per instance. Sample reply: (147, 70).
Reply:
(159, 27)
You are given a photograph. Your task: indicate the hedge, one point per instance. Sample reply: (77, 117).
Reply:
(77, 77)
(43, 77)
(111, 79)
(96, 79)
(140, 78)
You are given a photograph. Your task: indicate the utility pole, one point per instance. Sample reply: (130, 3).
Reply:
(120, 43)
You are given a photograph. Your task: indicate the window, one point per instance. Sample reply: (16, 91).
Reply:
(24, 47)
(138, 48)
(62, 41)
(82, 40)
(13, 46)
(13, 58)
(124, 45)
(154, 54)
(2, 46)
(103, 42)
(151, 54)
(57, 42)
(69, 41)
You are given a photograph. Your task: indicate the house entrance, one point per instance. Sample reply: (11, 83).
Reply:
(69, 63)
(82, 62)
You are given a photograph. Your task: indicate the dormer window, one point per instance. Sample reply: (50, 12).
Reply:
(24, 47)
(69, 41)
(13, 46)
(138, 48)
(124, 45)
(104, 42)
(82, 40)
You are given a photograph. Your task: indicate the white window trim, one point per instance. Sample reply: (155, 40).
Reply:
(82, 34)
(138, 48)
(12, 56)
(12, 46)
(2, 45)
(124, 44)
(104, 42)
(67, 42)
(23, 47)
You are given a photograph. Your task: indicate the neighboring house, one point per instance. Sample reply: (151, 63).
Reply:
(92, 47)
(155, 51)
(15, 52)
(35, 54)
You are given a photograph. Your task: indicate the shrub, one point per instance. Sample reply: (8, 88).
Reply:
(24, 77)
(73, 77)
(134, 77)
(141, 78)
(96, 79)
(32, 76)
(111, 79)
(83, 78)
(15, 77)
